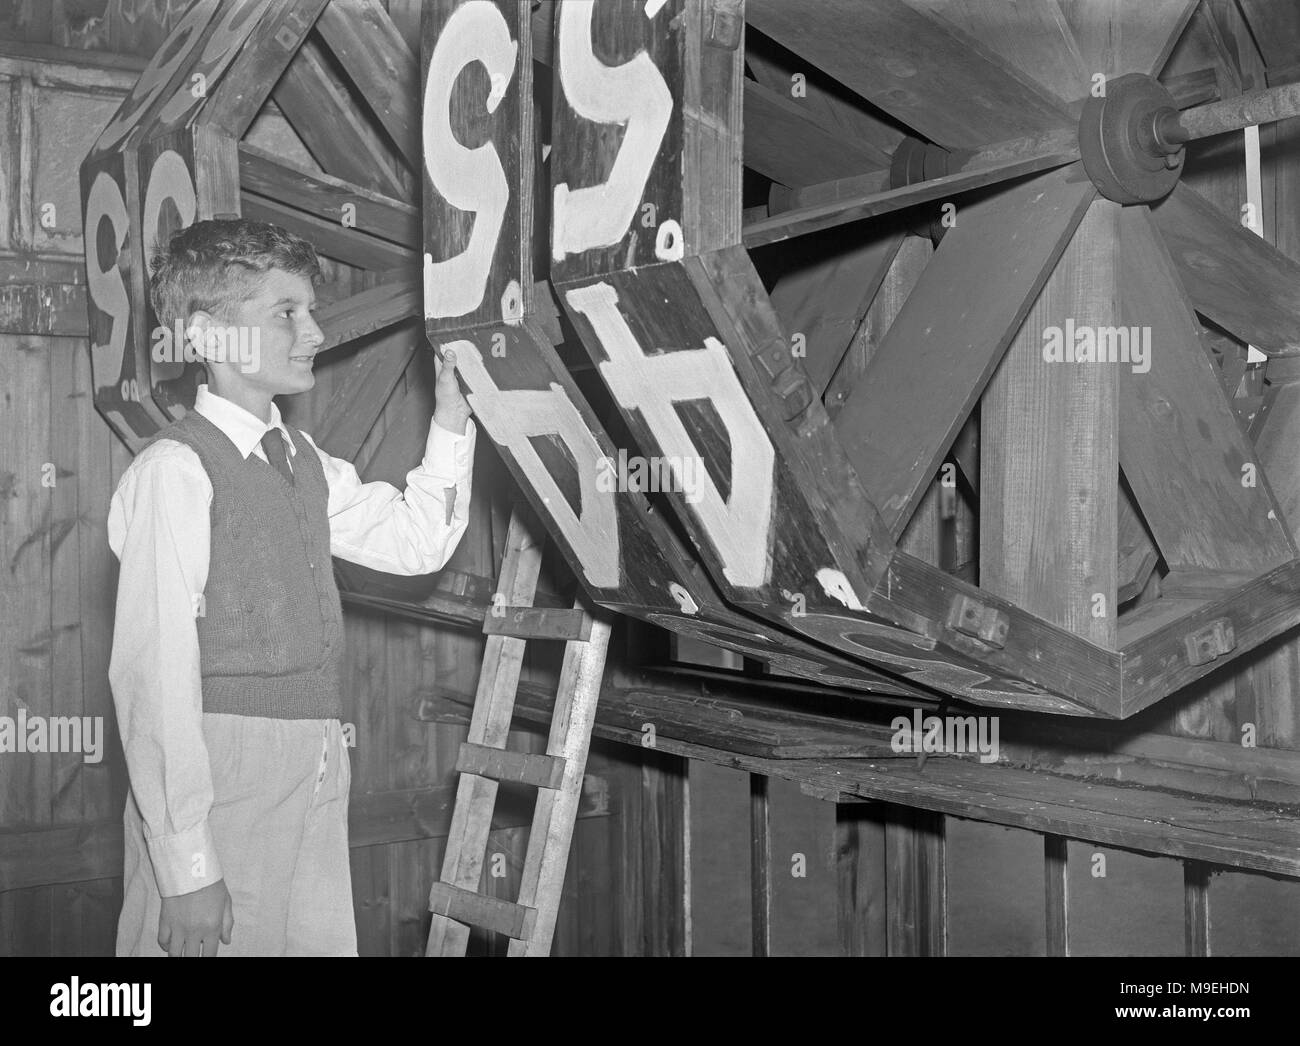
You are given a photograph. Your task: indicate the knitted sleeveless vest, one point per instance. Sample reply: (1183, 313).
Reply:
(271, 625)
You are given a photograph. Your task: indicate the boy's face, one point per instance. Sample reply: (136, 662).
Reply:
(288, 339)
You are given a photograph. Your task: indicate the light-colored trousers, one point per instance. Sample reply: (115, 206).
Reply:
(279, 821)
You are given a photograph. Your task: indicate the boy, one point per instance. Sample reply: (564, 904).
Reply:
(229, 637)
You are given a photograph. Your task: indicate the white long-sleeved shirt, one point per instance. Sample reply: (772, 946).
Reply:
(159, 526)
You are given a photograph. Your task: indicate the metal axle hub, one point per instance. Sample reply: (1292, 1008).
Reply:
(1132, 140)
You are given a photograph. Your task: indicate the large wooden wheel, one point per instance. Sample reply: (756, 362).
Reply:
(1034, 137)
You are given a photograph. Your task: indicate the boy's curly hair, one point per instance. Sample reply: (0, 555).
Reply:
(213, 265)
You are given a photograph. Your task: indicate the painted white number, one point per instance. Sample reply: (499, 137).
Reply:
(106, 285)
(633, 94)
(469, 179)
(155, 78)
(217, 52)
(513, 416)
(651, 384)
(169, 180)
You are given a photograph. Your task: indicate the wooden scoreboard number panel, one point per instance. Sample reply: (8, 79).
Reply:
(756, 527)
(189, 179)
(478, 274)
(121, 376)
(692, 353)
(170, 157)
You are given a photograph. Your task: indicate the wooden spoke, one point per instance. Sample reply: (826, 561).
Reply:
(360, 314)
(380, 65)
(1116, 37)
(1034, 38)
(327, 121)
(823, 302)
(359, 397)
(1137, 553)
(968, 305)
(785, 144)
(782, 199)
(1238, 280)
(844, 116)
(926, 73)
(1063, 573)
(260, 63)
(1277, 440)
(855, 208)
(1275, 28)
(1189, 464)
(329, 198)
(330, 237)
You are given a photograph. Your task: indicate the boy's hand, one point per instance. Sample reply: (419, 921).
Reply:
(450, 409)
(193, 923)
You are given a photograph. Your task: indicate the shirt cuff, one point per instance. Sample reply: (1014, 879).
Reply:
(444, 447)
(184, 862)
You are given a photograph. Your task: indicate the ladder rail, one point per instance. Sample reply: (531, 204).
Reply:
(494, 700)
(455, 900)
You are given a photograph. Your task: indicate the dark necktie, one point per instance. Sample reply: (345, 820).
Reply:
(273, 445)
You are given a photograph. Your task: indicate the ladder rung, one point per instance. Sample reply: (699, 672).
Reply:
(490, 913)
(537, 623)
(540, 770)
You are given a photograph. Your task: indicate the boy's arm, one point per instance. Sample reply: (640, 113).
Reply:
(158, 525)
(378, 526)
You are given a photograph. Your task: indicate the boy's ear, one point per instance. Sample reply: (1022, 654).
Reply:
(201, 334)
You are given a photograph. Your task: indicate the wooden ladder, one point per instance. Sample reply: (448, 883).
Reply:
(484, 762)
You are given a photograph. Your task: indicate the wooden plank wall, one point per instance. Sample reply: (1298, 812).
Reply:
(58, 579)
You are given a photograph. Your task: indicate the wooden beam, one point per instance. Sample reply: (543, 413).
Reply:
(1117, 37)
(325, 118)
(937, 80)
(1137, 553)
(368, 311)
(360, 394)
(817, 217)
(42, 297)
(823, 302)
(916, 883)
(1033, 38)
(909, 261)
(760, 866)
(1064, 574)
(380, 65)
(1151, 821)
(943, 347)
(827, 106)
(1056, 889)
(1196, 907)
(783, 143)
(1191, 468)
(331, 238)
(259, 64)
(1237, 279)
(1275, 27)
(860, 878)
(1155, 644)
(328, 198)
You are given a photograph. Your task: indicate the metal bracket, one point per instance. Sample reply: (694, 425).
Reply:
(724, 22)
(1209, 643)
(973, 618)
